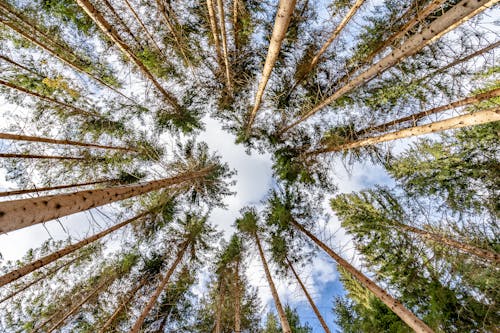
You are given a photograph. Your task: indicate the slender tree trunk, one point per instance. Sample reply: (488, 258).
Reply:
(77, 110)
(281, 313)
(44, 157)
(122, 23)
(109, 31)
(455, 16)
(330, 40)
(17, 214)
(43, 276)
(283, 17)
(43, 189)
(16, 64)
(463, 247)
(309, 298)
(417, 116)
(218, 316)
(80, 304)
(123, 305)
(237, 298)
(28, 268)
(407, 316)
(213, 28)
(222, 22)
(476, 118)
(19, 137)
(235, 25)
(138, 324)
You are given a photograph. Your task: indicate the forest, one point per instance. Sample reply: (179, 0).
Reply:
(105, 107)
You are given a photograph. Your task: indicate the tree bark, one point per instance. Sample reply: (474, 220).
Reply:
(237, 299)
(222, 22)
(109, 31)
(46, 157)
(476, 118)
(213, 28)
(455, 16)
(463, 247)
(309, 298)
(28, 268)
(417, 116)
(218, 316)
(283, 17)
(407, 316)
(43, 189)
(17, 214)
(138, 324)
(19, 137)
(281, 313)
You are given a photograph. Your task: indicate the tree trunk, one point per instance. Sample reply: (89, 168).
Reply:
(77, 110)
(17, 214)
(407, 316)
(18, 137)
(476, 118)
(45, 157)
(330, 40)
(43, 189)
(43, 276)
(218, 315)
(235, 25)
(213, 28)
(122, 306)
(222, 23)
(138, 324)
(309, 298)
(109, 31)
(455, 16)
(283, 17)
(138, 19)
(122, 23)
(237, 299)
(28, 268)
(417, 116)
(281, 313)
(12, 62)
(463, 247)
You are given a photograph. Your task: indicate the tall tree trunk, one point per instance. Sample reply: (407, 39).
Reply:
(35, 281)
(455, 16)
(285, 326)
(19, 137)
(16, 64)
(314, 61)
(213, 28)
(407, 316)
(235, 25)
(80, 304)
(463, 247)
(109, 31)
(43, 157)
(237, 298)
(283, 17)
(123, 305)
(309, 298)
(220, 304)
(138, 324)
(417, 116)
(222, 23)
(77, 110)
(59, 187)
(17, 214)
(476, 118)
(28, 268)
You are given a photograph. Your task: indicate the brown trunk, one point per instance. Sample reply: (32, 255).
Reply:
(213, 28)
(43, 189)
(467, 248)
(309, 298)
(12, 62)
(417, 116)
(285, 326)
(126, 301)
(235, 25)
(43, 276)
(237, 299)
(283, 17)
(407, 316)
(138, 19)
(17, 214)
(17, 137)
(122, 23)
(45, 157)
(476, 118)
(109, 31)
(77, 110)
(28, 268)
(455, 16)
(222, 23)
(218, 316)
(138, 324)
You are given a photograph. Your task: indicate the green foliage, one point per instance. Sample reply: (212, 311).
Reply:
(69, 11)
